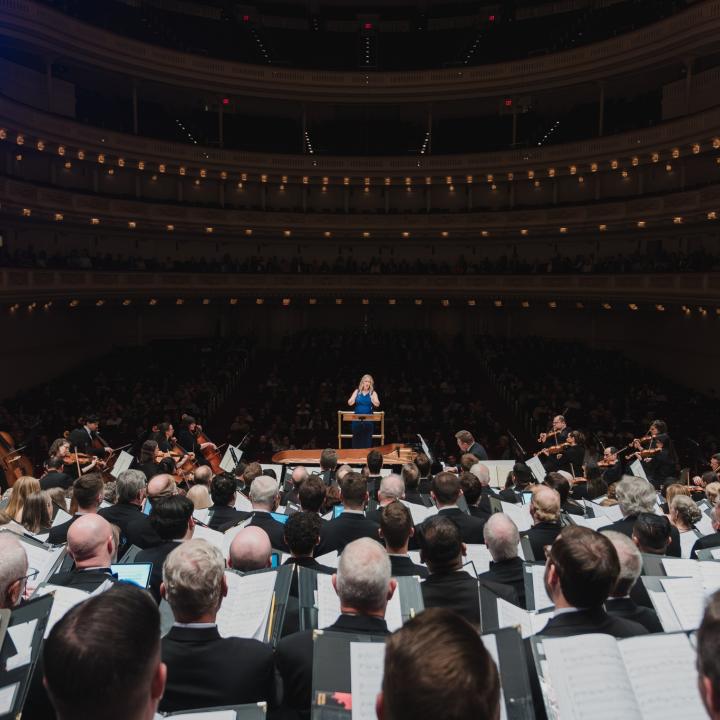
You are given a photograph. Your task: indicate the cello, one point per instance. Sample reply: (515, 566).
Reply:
(212, 456)
(12, 461)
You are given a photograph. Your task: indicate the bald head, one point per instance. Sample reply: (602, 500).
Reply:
(13, 567)
(162, 485)
(299, 476)
(203, 475)
(392, 488)
(545, 504)
(630, 562)
(90, 542)
(501, 537)
(250, 550)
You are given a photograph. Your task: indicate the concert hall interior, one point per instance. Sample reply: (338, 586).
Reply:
(359, 359)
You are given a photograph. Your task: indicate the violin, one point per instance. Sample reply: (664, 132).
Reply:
(542, 437)
(605, 463)
(647, 453)
(555, 449)
(14, 463)
(77, 458)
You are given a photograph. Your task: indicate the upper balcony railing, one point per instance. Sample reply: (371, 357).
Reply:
(56, 34)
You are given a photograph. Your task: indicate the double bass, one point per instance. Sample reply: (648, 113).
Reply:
(212, 456)
(13, 462)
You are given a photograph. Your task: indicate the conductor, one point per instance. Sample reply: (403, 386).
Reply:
(364, 398)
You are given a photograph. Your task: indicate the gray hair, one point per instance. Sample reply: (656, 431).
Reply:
(392, 487)
(481, 472)
(635, 495)
(363, 575)
(13, 563)
(686, 509)
(192, 575)
(129, 484)
(630, 562)
(501, 537)
(263, 490)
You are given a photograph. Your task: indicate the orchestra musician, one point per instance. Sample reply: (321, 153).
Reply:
(166, 442)
(60, 451)
(612, 470)
(557, 434)
(187, 440)
(364, 399)
(660, 460)
(86, 440)
(568, 455)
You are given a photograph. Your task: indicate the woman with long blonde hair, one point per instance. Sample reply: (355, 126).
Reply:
(364, 399)
(24, 486)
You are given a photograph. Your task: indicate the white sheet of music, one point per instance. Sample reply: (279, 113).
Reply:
(581, 670)
(242, 502)
(64, 599)
(536, 468)
(687, 599)
(41, 560)
(246, 609)
(490, 643)
(123, 462)
(687, 540)
(480, 557)
(519, 514)
(367, 661)
(612, 513)
(664, 609)
(61, 517)
(706, 571)
(594, 523)
(7, 697)
(510, 615)
(704, 526)
(542, 599)
(419, 513)
(661, 669)
(22, 636)
(330, 559)
(212, 536)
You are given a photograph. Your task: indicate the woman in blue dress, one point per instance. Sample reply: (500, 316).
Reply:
(364, 399)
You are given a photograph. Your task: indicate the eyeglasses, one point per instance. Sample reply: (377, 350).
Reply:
(30, 576)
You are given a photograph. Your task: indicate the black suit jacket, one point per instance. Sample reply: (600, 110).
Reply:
(414, 497)
(478, 451)
(294, 659)
(345, 528)
(205, 670)
(80, 440)
(540, 535)
(460, 591)
(274, 529)
(223, 517)
(156, 555)
(593, 620)
(402, 566)
(55, 479)
(478, 511)
(134, 526)
(508, 572)
(58, 534)
(571, 460)
(705, 543)
(87, 580)
(630, 610)
(471, 528)
(425, 485)
(626, 525)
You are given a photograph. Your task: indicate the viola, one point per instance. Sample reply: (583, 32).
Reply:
(13, 462)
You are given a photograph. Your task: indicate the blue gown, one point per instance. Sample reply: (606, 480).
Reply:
(362, 430)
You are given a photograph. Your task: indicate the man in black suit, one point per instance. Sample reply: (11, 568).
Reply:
(127, 514)
(411, 476)
(265, 497)
(203, 669)
(81, 439)
(364, 586)
(448, 585)
(652, 533)
(712, 540)
(88, 493)
(13, 571)
(328, 465)
(250, 550)
(708, 662)
(351, 524)
(223, 514)
(636, 495)
(54, 477)
(502, 539)
(391, 489)
(482, 473)
(298, 476)
(620, 603)
(467, 444)
(112, 642)
(425, 477)
(581, 571)
(522, 480)
(92, 546)
(374, 462)
(545, 512)
(172, 520)
(396, 529)
(445, 492)
(472, 490)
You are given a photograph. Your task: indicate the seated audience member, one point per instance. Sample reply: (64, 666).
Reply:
(521, 479)
(446, 492)
(411, 476)
(204, 669)
(172, 520)
(448, 585)
(453, 675)
(90, 543)
(302, 536)
(199, 496)
(250, 550)
(560, 482)
(102, 659)
(341, 472)
(708, 663)
(581, 571)
(396, 529)
(713, 539)
(328, 465)
(312, 494)
(684, 513)
(13, 571)
(545, 513)
(265, 497)
(620, 603)
(297, 478)
(424, 467)
(391, 489)
(223, 515)
(203, 476)
(88, 494)
(55, 477)
(351, 524)
(364, 586)
(651, 533)
(127, 513)
(472, 490)
(634, 496)
(502, 539)
(37, 513)
(24, 487)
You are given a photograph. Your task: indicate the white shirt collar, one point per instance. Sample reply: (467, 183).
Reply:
(195, 626)
(565, 611)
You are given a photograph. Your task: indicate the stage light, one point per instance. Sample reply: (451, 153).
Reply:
(508, 102)
(226, 101)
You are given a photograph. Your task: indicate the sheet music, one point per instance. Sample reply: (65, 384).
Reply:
(419, 513)
(536, 468)
(687, 599)
(715, 552)
(637, 469)
(367, 661)
(594, 523)
(242, 502)
(22, 636)
(490, 643)
(212, 536)
(704, 526)
(705, 571)
(123, 462)
(61, 517)
(414, 555)
(64, 599)
(227, 463)
(41, 560)
(7, 697)
(664, 609)
(519, 514)
(687, 540)
(480, 557)
(203, 515)
(661, 670)
(581, 671)
(330, 559)
(245, 610)
(542, 599)
(510, 615)
(612, 513)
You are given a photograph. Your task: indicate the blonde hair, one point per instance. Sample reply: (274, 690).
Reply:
(712, 490)
(369, 378)
(199, 496)
(23, 487)
(672, 491)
